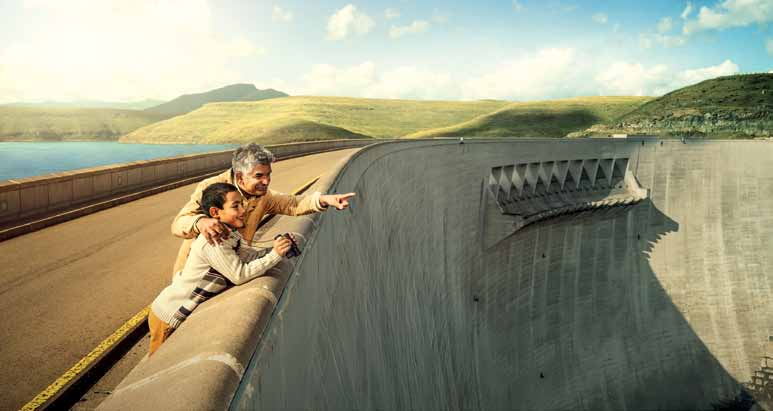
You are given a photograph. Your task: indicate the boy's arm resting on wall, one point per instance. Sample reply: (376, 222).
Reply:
(248, 253)
(225, 260)
(280, 203)
(184, 224)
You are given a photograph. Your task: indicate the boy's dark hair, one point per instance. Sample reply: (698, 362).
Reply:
(214, 196)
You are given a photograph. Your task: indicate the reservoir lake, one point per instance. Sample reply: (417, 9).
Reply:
(26, 159)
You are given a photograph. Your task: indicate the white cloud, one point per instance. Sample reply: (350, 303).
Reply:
(549, 73)
(624, 78)
(688, 77)
(348, 21)
(418, 26)
(645, 41)
(769, 46)
(558, 5)
(517, 6)
(546, 74)
(241, 47)
(391, 13)
(600, 18)
(279, 14)
(687, 10)
(648, 40)
(176, 42)
(438, 17)
(665, 24)
(325, 79)
(731, 13)
(413, 83)
(364, 80)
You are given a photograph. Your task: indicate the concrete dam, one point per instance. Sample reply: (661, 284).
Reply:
(597, 274)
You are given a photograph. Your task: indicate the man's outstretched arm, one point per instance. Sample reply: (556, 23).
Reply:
(300, 205)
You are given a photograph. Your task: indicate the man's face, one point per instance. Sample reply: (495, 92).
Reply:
(256, 181)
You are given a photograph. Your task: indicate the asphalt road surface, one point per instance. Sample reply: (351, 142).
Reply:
(65, 288)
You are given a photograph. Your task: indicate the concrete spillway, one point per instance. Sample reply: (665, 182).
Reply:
(430, 293)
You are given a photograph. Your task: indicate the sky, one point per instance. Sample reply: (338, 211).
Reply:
(519, 50)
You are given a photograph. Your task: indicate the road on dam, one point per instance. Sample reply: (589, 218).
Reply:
(65, 288)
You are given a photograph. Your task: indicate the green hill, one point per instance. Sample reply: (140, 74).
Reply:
(551, 118)
(55, 124)
(189, 102)
(724, 107)
(309, 118)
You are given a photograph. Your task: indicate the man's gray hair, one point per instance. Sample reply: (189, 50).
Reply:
(247, 156)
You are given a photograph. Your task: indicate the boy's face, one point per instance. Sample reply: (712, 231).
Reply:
(232, 212)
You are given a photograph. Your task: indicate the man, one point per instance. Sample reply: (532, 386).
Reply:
(251, 173)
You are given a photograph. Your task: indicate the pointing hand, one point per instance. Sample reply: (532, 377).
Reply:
(339, 201)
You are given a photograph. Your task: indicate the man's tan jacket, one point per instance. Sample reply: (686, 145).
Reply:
(184, 225)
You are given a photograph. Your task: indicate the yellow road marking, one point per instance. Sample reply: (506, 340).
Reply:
(82, 366)
(306, 185)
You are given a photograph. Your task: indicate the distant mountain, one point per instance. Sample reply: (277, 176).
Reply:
(739, 106)
(64, 123)
(131, 105)
(235, 92)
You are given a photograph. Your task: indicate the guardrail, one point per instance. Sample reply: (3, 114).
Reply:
(32, 203)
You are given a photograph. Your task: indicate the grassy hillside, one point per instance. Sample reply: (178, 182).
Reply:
(736, 94)
(309, 118)
(235, 92)
(54, 124)
(552, 118)
(732, 106)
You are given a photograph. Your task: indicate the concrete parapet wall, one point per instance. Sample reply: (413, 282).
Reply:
(203, 362)
(29, 198)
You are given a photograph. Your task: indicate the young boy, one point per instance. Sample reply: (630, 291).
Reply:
(211, 268)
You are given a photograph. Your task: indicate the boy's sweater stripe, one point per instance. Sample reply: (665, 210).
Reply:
(210, 285)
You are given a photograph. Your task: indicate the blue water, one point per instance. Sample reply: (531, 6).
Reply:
(27, 159)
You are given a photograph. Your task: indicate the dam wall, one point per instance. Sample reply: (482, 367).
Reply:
(611, 274)
(38, 197)
(402, 302)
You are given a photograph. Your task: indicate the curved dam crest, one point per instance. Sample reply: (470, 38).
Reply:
(423, 296)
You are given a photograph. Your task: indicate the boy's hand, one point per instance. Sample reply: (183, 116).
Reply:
(282, 246)
(212, 230)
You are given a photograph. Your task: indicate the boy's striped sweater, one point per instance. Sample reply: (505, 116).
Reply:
(209, 270)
